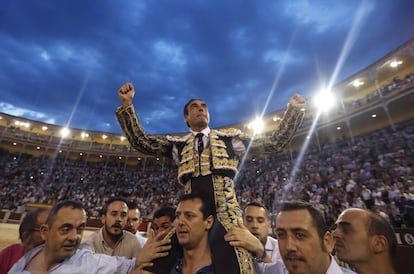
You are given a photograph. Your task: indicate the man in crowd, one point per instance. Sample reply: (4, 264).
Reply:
(163, 223)
(207, 163)
(305, 242)
(253, 236)
(60, 253)
(111, 238)
(366, 241)
(163, 219)
(29, 234)
(133, 222)
(240, 236)
(194, 219)
(256, 219)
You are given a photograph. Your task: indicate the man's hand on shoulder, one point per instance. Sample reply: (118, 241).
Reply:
(155, 247)
(240, 236)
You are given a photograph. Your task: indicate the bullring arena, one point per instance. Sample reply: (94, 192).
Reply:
(367, 141)
(9, 234)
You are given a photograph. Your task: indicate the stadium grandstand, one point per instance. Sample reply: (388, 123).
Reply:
(360, 153)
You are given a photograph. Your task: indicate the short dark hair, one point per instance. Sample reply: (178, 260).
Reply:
(377, 225)
(132, 205)
(256, 204)
(316, 215)
(110, 201)
(61, 204)
(29, 222)
(186, 107)
(206, 207)
(165, 211)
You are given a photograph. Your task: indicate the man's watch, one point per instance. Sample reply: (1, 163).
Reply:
(261, 258)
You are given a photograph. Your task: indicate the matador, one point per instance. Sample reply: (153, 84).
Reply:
(207, 161)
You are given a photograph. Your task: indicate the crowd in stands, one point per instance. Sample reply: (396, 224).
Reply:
(373, 171)
(395, 85)
(27, 179)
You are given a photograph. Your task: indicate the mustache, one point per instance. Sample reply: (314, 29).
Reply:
(117, 225)
(294, 256)
(71, 243)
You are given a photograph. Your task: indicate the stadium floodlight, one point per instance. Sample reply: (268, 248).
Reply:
(324, 101)
(256, 125)
(84, 135)
(123, 138)
(22, 124)
(104, 136)
(276, 118)
(395, 63)
(357, 83)
(44, 128)
(64, 132)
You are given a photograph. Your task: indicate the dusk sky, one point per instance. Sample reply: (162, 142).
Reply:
(62, 62)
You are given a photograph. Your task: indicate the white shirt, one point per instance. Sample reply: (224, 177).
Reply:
(334, 268)
(142, 240)
(272, 251)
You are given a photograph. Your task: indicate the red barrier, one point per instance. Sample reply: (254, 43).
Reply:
(405, 250)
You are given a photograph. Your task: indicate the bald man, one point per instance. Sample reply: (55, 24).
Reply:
(366, 241)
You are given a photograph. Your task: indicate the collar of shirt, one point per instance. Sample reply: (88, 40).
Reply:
(205, 132)
(178, 268)
(270, 245)
(334, 268)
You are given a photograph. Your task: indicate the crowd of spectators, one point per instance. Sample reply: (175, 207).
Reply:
(394, 86)
(373, 171)
(27, 179)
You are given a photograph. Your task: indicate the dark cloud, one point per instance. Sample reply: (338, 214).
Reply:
(63, 61)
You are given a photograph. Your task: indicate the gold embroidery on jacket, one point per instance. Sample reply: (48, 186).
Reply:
(228, 212)
(216, 151)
